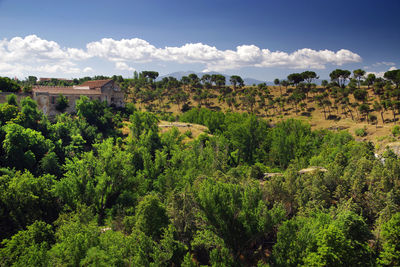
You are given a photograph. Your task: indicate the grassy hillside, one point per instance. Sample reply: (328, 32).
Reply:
(277, 103)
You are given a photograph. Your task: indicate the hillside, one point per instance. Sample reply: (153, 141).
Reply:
(269, 104)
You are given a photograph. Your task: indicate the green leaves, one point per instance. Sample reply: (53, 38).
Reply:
(390, 255)
(320, 240)
(24, 147)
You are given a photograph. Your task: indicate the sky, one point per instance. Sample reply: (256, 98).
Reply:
(261, 39)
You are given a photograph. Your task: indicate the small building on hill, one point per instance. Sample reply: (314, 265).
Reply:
(102, 90)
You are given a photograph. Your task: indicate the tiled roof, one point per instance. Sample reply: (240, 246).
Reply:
(96, 83)
(65, 90)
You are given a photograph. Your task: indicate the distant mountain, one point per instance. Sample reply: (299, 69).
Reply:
(178, 75)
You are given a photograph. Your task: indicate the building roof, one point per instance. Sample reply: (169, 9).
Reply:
(96, 83)
(65, 90)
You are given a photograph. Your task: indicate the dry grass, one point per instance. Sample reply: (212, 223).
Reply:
(380, 134)
(183, 128)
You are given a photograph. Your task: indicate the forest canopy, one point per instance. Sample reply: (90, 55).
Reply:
(78, 190)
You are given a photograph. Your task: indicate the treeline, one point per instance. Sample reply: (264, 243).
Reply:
(352, 95)
(76, 191)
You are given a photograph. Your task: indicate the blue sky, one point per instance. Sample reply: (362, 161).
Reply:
(258, 39)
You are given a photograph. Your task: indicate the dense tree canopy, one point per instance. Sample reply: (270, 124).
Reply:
(108, 187)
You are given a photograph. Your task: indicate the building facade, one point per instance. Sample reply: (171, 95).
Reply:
(102, 90)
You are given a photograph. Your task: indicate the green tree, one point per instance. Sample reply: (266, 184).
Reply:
(236, 81)
(24, 148)
(28, 247)
(151, 217)
(393, 76)
(295, 78)
(370, 79)
(97, 180)
(61, 103)
(12, 100)
(8, 85)
(340, 76)
(390, 254)
(25, 199)
(358, 75)
(309, 76)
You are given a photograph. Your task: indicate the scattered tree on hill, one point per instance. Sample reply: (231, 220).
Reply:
(340, 76)
(358, 75)
(393, 76)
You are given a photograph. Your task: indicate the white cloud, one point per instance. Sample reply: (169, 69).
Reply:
(88, 69)
(214, 59)
(381, 73)
(23, 55)
(138, 50)
(123, 66)
(380, 64)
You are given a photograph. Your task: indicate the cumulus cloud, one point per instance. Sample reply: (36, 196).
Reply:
(32, 53)
(381, 73)
(138, 50)
(123, 66)
(21, 56)
(88, 69)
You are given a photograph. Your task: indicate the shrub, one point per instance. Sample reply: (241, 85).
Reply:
(361, 132)
(396, 130)
(61, 103)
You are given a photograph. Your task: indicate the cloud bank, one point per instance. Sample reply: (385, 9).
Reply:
(20, 56)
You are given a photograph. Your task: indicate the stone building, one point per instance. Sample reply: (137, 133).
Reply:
(103, 90)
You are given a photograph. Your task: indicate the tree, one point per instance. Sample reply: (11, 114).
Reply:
(96, 113)
(25, 199)
(8, 85)
(285, 83)
(358, 75)
(9, 113)
(370, 79)
(151, 217)
(364, 109)
(324, 83)
(61, 103)
(150, 75)
(218, 79)
(295, 78)
(194, 79)
(391, 75)
(28, 247)
(12, 100)
(206, 80)
(97, 180)
(319, 240)
(360, 95)
(390, 254)
(230, 208)
(24, 148)
(32, 79)
(309, 76)
(277, 82)
(31, 115)
(236, 80)
(379, 108)
(340, 76)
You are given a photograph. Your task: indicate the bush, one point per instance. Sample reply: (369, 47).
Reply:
(361, 132)
(61, 103)
(396, 130)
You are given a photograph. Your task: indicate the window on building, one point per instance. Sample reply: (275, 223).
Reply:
(53, 100)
